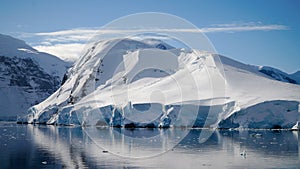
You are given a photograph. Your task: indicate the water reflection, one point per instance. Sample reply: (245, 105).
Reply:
(29, 146)
(135, 143)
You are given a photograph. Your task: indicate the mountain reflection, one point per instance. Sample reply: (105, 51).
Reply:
(29, 146)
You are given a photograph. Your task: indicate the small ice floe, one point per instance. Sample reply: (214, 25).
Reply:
(44, 162)
(257, 135)
(243, 154)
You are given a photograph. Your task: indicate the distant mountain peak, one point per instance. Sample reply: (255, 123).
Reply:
(9, 45)
(13, 47)
(296, 73)
(279, 75)
(27, 76)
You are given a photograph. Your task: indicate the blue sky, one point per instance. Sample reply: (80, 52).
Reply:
(274, 42)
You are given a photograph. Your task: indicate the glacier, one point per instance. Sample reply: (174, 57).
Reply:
(116, 83)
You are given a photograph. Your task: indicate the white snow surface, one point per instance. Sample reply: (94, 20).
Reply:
(117, 82)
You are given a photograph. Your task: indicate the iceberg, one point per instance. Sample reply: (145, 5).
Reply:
(118, 83)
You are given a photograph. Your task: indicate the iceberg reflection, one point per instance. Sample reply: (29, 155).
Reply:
(29, 146)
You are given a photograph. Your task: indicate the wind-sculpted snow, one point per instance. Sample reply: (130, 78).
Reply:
(116, 83)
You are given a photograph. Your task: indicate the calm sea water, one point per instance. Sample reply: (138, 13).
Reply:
(39, 146)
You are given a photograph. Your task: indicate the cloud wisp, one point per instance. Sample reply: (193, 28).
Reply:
(67, 52)
(87, 33)
(68, 44)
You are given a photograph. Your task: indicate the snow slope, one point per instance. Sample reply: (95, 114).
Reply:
(27, 76)
(118, 83)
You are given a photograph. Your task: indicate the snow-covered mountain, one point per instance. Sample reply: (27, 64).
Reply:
(118, 83)
(280, 75)
(27, 76)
